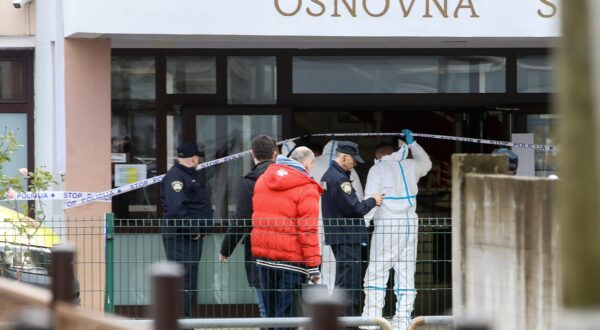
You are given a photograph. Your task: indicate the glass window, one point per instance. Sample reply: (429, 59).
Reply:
(134, 134)
(11, 81)
(191, 75)
(17, 124)
(174, 133)
(398, 74)
(535, 74)
(251, 80)
(543, 127)
(475, 75)
(222, 135)
(133, 78)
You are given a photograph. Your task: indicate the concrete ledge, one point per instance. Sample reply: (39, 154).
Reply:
(17, 42)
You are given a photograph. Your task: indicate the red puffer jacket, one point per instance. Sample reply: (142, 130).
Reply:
(285, 218)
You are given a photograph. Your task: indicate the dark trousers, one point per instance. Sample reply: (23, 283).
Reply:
(281, 288)
(187, 252)
(348, 274)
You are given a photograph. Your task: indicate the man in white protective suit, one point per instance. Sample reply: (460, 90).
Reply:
(394, 240)
(320, 166)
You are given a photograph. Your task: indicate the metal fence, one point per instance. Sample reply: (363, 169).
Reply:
(114, 257)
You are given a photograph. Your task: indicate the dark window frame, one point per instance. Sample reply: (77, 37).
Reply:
(287, 100)
(26, 105)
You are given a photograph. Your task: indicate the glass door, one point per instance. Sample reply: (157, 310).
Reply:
(219, 133)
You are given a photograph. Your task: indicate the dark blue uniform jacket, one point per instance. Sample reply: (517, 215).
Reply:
(342, 211)
(184, 197)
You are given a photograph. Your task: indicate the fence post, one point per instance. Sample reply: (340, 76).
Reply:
(166, 285)
(324, 309)
(109, 223)
(325, 315)
(62, 273)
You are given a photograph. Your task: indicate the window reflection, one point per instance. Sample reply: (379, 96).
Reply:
(251, 80)
(222, 135)
(17, 124)
(132, 79)
(398, 74)
(191, 75)
(174, 133)
(543, 127)
(11, 80)
(535, 74)
(133, 134)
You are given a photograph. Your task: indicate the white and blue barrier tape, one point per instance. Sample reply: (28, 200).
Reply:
(541, 147)
(83, 198)
(144, 183)
(53, 195)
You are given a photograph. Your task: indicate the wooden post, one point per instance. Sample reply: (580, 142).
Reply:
(166, 300)
(62, 273)
(579, 188)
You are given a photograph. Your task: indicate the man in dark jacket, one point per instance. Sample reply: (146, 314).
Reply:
(187, 213)
(264, 151)
(345, 229)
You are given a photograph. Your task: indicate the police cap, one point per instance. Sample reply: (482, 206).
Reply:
(349, 148)
(188, 150)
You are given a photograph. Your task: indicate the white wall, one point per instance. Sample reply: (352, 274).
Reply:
(495, 18)
(49, 109)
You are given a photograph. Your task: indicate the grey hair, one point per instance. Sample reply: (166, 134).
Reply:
(302, 155)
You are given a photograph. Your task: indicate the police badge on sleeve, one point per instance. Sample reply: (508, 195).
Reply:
(177, 186)
(346, 187)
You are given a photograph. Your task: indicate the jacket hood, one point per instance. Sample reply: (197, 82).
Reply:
(258, 170)
(290, 162)
(283, 177)
(399, 155)
(329, 148)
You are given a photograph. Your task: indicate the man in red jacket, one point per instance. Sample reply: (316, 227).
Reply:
(284, 237)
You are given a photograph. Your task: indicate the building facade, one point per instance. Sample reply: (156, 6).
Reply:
(100, 88)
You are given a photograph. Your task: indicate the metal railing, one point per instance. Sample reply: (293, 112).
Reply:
(447, 322)
(223, 290)
(237, 323)
(115, 255)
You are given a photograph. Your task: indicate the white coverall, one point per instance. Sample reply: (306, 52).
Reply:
(321, 165)
(394, 241)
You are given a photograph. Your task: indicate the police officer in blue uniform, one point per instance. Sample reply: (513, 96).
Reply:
(345, 229)
(187, 214)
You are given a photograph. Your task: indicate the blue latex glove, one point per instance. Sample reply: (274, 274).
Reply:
(408, 136)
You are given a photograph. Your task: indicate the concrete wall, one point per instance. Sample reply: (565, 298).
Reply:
(463, 164)
(16, 22)
(509, 265)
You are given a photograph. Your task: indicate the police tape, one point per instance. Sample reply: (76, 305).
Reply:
(108, 194)
(540, 147)
(147, 182)
(51, 195)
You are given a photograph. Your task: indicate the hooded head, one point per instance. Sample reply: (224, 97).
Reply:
(399, 155)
